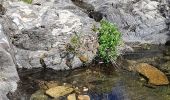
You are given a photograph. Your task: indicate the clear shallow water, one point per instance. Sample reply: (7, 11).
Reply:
(103, 82)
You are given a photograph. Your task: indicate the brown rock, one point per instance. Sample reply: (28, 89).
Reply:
(155, 76)
(83, 58)
(46, 85)
(83, 97)
(71, 97)
(52, 84)
(59, 91)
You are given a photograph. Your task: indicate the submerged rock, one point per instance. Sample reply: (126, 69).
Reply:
(83, 97)
(59, 91)
(39, 95)
(155, 76)
(166, 66)
(47, 85)
(72, 97)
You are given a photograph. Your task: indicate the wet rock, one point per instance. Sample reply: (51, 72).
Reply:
(166, 66)
(85, 89)
(167, 58)
(155, 76)
(168, 42)
(72, 97)
(48, 85)
(58, 91)
(167, 52)
(83, 97)
(39, 95)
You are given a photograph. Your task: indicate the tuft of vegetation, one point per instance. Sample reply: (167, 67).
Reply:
(27, 1)
(75, 41)
(109, 40)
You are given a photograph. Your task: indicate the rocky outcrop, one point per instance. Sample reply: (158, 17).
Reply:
(139, 20)
(42, 31)
(8, 73)
(42, 34)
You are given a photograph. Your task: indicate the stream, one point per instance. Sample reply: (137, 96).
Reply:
(102, 81)
(97, 80)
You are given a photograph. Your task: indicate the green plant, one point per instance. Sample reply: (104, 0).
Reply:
(27, 1)
(75, 41)
(109, 40)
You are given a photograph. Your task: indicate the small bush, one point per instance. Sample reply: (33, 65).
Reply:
(109, 40)
(27, 1)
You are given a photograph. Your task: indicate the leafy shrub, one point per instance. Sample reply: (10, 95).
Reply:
(27, 1)
(109, 40)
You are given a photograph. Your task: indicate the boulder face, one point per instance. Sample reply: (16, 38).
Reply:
(143, 21)
(39, 34)
(42, 33)
(8, 72)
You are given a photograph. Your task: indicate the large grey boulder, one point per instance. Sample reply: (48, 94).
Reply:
(41, 34)
(42, 30)
(8, 74)
(139, 20)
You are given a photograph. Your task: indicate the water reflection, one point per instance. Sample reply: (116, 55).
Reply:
(118, 93)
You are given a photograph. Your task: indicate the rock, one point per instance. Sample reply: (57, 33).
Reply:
(97, 16)
(39, 95)
(166, 66)
(46, 85)
(45, 30)
(58, 91)
(167, 52)
(52, 84)
(8, 73)
(167, 58)
(83, 97)
(72, 97)
(84, 58)
(2, 10)
(85, 89)
(155, 76)
(138, 20)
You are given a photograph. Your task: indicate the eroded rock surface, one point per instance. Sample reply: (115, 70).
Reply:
(8, 73)
(42, 32)
(141, 21)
